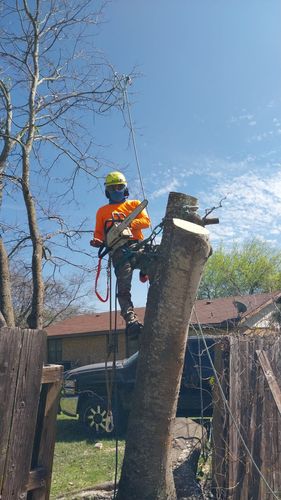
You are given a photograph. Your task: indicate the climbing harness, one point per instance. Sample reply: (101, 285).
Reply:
(145, 251)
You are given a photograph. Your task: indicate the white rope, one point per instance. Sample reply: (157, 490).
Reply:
(124, 81)
(230, 412)
(134, 142)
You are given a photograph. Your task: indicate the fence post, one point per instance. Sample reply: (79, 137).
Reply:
(249, 454)
(22, 353)
(27, 434)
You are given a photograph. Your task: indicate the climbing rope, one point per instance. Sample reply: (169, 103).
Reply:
(108, 379)
(115, 396)
(127, 82)
(124, 81)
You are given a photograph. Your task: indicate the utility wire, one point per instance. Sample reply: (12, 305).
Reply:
(230, 411)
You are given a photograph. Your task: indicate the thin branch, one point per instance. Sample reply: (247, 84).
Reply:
(208, 211)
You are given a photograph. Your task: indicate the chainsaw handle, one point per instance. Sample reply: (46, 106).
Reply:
(107, 225)
(109, 222)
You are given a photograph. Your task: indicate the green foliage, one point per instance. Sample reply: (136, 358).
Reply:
(254, 267)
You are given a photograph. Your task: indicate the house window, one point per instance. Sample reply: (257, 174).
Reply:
(55, 351)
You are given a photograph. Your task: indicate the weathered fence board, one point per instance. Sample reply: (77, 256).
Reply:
(23, 404)
(29, 395)
(44, 443)
(271, 379)
(220, 421)
(10, 342)
(251, 448)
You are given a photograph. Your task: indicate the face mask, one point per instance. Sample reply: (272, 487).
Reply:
(117, 196)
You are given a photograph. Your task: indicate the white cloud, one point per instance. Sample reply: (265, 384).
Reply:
(252, 206)
(171, 186)
(243, 117)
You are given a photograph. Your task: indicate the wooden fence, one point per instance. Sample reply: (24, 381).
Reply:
(247, 430)
(29, 396)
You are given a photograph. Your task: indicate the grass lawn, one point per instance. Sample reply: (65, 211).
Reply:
(77, 463)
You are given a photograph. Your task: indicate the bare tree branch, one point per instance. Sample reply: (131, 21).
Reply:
(52, 83)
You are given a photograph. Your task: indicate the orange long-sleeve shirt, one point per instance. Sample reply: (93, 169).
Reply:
(142, 221)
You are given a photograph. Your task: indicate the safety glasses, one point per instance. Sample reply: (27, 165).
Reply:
(115, 187)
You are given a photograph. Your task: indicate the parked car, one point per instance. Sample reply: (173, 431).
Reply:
(85, 389)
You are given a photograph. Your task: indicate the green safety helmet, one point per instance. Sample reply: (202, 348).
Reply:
(114, 178)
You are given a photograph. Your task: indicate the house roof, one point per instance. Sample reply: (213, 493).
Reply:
(214, 313)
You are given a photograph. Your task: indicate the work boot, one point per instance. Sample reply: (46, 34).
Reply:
(130, 316)
(133, 337)
(134, 329)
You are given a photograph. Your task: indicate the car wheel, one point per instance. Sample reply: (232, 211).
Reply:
(94, 415)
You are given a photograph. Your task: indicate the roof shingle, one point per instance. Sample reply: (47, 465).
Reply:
(209, 312)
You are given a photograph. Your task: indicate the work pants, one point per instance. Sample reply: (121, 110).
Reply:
(123, 269)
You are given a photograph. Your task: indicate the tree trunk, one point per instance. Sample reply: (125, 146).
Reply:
(147, 472)
(6, 304)
(35, 319)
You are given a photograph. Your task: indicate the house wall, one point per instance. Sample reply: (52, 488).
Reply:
(262, 319)
(84, 350)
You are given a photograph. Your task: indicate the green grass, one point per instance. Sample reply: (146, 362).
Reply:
(77, 463)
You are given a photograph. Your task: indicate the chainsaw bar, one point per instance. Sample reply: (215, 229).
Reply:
(127, 221)
(117, 229)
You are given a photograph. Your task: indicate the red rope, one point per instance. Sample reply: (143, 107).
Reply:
(96, 284)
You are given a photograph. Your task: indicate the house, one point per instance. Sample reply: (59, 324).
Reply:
(86, 338)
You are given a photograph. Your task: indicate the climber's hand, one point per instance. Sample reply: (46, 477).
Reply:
(96, 243)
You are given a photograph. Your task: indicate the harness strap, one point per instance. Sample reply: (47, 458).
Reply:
(107, 282)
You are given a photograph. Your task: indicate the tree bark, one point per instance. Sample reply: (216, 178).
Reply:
(147, 472)
(35, 319)
(6, 304)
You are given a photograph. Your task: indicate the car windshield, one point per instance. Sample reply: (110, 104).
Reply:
(131, 359)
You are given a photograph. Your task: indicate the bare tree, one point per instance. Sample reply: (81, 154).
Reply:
(62, 298)
(52, 81)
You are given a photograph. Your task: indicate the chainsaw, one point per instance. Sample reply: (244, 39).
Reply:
(117, 230)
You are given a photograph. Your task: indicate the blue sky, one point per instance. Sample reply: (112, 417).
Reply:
(206, 110)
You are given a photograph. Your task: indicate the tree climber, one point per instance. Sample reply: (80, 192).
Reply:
(119, 207)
